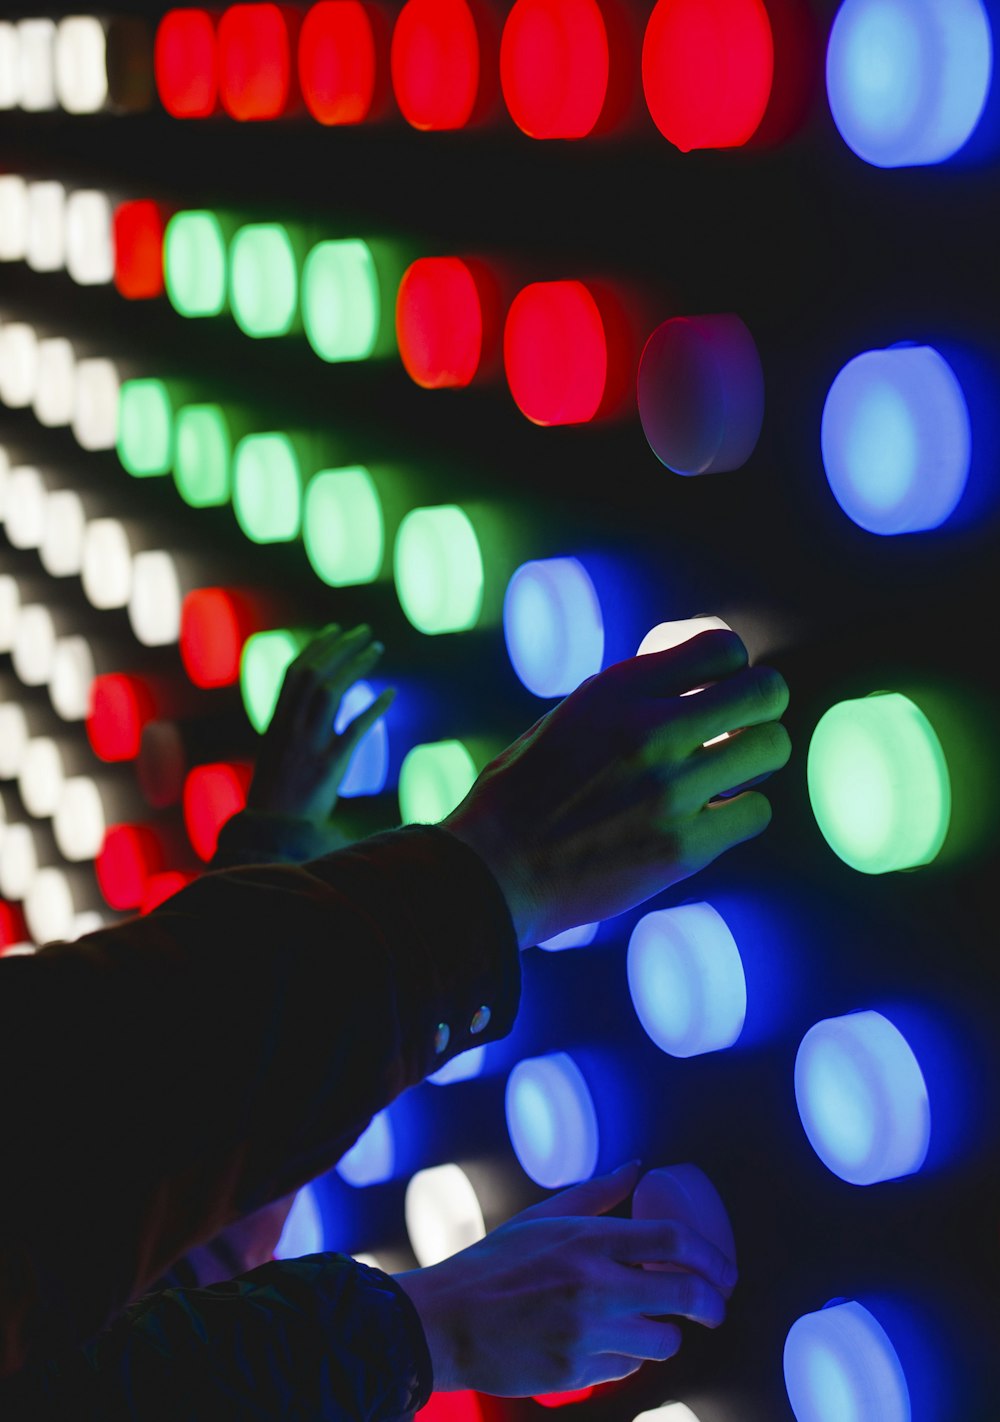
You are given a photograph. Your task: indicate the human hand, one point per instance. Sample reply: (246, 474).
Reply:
(303, 760)
(555, 1299)
(610, 797)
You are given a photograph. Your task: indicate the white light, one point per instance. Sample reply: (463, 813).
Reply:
(13, 202)
(13, 739)
(671, 1412)
(90, 253)
(72, 675)
(303, 1231)
(154, 608)
(667, 635)
(38, 81)
(10, 605)
(48, 906)
(90, 921)
(15, 950)
(61, 547)
(45, 250)
(79, 821)
(26, 500)
(107, 563)
(81, 64)
(41, 780)
(443, 1214)
(55, 388)
(95, 415)
(4, 477)
(10, 72)
(34, 645)
(18, 364)
(19, 862)
(370, 1260)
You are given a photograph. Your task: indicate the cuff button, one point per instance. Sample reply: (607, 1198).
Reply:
(480, 1020)
(441, 1038)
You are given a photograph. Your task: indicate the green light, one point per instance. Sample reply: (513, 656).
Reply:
(145, 427)
(879, 784)
(203, 449)
(341, 303)
(343, 527)
(433, 779)
(439, 570)
(266, 657)
(267, 488)
(263, 279)
(194, 263)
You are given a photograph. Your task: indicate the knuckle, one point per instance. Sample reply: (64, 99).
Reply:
(775, 743)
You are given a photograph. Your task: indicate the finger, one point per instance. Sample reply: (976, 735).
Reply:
(657, 1293)
(755, 695)
(324, 705)
(646, 1338)
(365, 720)
(327, 654)
(711, 656)
(723, 824)
(756, 752)
(666, 1242)
(592, 1197)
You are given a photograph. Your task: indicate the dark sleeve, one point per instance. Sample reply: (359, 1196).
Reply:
(316, 1338)
(261, 837)
(169, 1075)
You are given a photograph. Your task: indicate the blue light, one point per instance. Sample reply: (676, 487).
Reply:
(372, 1158)
(461, 1068)
(908, 79)
(369, 767)
(551, 1120)
(553, 626)
(686, 979)
(840, 1366)
(303, 1231)
(862, 1098)
(581, 937)
(897, 440)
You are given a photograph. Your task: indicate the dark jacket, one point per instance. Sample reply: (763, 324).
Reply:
(168, 1076)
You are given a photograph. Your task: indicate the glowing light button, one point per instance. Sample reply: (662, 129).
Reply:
(139, 228)
(195, 263)
(81, 64)
(185, 63)
(862, 1098)
(443, 1214)
(255, 49)
(267, 488)
(341, 300)
(303, 1230)
(897, 440)
(435, 63)
(439, 323)
(554, 65)
(146, 427)
(555, 353)
(701, 394)
(371, 1160)
(369, 765)
(203, 452)
(433, 779)
(343, 528)
(707, 71)
(212, 795)
(879, 784)
(265, 659)
(667, 635)
(686, 979)
(264, 279)
(438, 569)
(908, 79)
(337, 61)
(553, 626)
(551, 1120)
(840, 1365)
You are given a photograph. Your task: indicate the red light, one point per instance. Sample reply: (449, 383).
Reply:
(452, 1407)
(13, 928)
(554, 67)
(440, 321)
(120, 705)
(215, 622)
(563, 1399)
(184, 61)
(707, 70)
(160, 887)
(129, 856)
(555, 352)
(435, 63)
(256, 44)
(338, 60)
(212, 795)
(138, 237)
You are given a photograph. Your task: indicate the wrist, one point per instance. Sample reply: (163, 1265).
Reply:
(419, 1287)
(507, 868)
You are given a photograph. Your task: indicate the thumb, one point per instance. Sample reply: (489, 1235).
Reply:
(592, 1197)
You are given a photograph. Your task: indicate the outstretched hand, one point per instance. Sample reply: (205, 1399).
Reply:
(303, 760)
(556, 1299)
